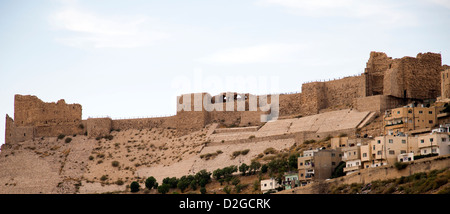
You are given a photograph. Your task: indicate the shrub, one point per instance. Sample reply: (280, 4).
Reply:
(104, 178)
(251, 137)
(61, 136)
(270, 150)
(202, 177)
(400, 165)
(134, 186)
(309, 141)
(203, 190)
(119, 182)
(68, 140)
(150, 182)
(264, 168)
(255, 165)
(91, 157)
(115, 163)
(245, 151)
(227, 189)
(183, 184)
(109, 137)
(243, 168)
(164, 188)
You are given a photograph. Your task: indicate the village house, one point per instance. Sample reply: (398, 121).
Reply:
(410, 119)
(317, 164)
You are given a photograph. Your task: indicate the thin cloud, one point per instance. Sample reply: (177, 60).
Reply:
(264, 53)
(88, 29)
(378, 11)
(444, 3)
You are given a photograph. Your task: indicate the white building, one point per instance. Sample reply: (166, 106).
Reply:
(434, 143)
(269, 184)
(405, 157)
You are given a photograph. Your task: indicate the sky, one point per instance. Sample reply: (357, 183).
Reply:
(129, 59)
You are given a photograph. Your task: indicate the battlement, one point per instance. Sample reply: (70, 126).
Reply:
(386, 83)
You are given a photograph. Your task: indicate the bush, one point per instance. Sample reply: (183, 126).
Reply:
(400, 165)
(264, 168)
(243, 168)
(119, 182)
(245, 151)
(134, 186)
(164, 188)
(270, 150)
(115, 163)
(309, 141)
(61, 136)
(202, 177)
(203, 190)
(150, 182)
(171, 182)
(227, 189)
(68, 140)
(104, 178)
(109, 137)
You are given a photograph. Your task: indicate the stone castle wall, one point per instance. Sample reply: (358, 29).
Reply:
(35, 118)
(386, 83)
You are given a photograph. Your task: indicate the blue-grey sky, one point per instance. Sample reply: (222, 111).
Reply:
(131, 58)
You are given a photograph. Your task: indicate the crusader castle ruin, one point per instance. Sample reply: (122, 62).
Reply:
(386, 83)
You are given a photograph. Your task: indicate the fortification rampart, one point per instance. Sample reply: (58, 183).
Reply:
(386, 83)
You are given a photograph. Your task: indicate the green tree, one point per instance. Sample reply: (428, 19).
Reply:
(134, 186)
(293, 161)
(218, 173)
(164, 188)
(254, 166)
(264, 168)
(203, 177)
(243, 168)
(203, 190)
(150, 182)
(339, 170)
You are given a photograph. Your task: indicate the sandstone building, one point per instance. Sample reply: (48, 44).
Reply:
(386, 83)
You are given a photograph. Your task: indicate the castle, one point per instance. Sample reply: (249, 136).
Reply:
(386, 83)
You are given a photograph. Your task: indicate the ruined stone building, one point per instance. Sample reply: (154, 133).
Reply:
(385, 84)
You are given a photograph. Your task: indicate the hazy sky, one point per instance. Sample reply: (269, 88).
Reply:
(131, 58)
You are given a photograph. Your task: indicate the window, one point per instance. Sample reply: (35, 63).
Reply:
(430, 121)
(420, 112)
(402, 151)
(333, 155)
(431, 140)
(391, 140)
(378, 141)
(398, 112)
(333, 163)
(430, 112)
(373, 147)
(422, 141)
(433, 150)
(444, 139)
(364, 155)
(403, 141)
(379, 153)
(410, 111)
(391, 152)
